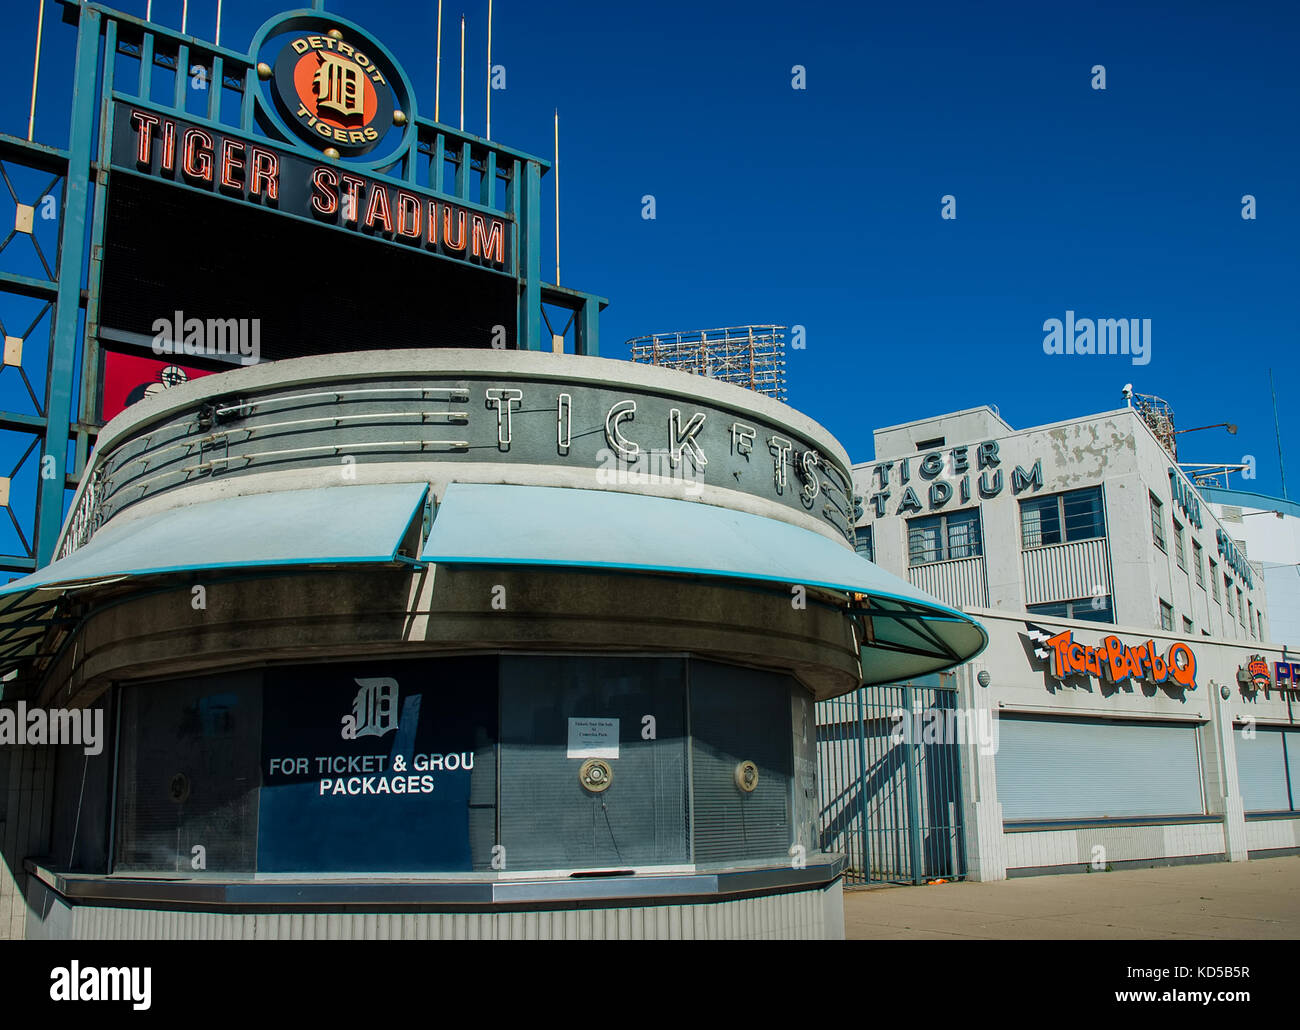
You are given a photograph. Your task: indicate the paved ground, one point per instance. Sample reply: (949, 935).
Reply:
(1232, 900)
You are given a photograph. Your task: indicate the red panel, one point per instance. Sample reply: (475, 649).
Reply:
(129, 378)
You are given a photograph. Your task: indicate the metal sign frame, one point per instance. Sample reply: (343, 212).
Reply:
(436, 158)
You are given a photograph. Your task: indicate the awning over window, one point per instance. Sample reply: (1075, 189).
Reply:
(324, 526)
(912, 633)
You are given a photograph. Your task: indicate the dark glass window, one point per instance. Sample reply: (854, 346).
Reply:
(1062, 518)
(865, 545)
(388, 765)
(1089, 609)
(188, 775)
(82, 788)
(944, 537)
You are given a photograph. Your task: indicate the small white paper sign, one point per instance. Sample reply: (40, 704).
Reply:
(593, 738)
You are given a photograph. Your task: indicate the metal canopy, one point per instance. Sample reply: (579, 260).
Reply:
(909, 633)
(323, 526)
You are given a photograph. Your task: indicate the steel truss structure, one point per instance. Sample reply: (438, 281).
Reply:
(752, 356)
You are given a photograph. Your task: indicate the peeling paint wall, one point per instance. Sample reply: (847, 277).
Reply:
(1114, 450)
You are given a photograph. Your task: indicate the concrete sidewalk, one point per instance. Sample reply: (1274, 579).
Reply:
(1230, 900)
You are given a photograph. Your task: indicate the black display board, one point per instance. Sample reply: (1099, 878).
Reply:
(368, 766)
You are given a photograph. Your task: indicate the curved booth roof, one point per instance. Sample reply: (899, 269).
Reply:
(909, 634)
(904, 632)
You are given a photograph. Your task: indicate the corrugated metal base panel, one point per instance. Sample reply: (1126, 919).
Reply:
(801, 915)
(1140, 863)
(1085, 846)
(25, 778)
(1272, 834)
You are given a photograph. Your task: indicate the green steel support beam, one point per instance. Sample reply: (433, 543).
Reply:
(530, 231)
(146, 66)
(22, 423)
(182, 81)
(11, 282)
(587, 330)
(463, 170)
(911, 759)
(488, 188)
(247, 106)
(512, 208)
(33, 155)
(72, 253)
(90, 350)
(865, 842)
(439, 163)
(214, 89)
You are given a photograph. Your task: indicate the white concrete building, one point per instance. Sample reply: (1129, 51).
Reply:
(1122, 615)
(1268, 530)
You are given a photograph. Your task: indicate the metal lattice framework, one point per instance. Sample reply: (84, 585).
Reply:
(752, 356)
(1158, 414)
(53, 215)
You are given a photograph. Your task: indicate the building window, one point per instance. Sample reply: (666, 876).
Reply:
(1166, 616)
(944, 537)
(1241, 607)
(1187, 625)
(211, 761)
(1180, 549)
(1259, 620)
(1157, 523)
(1227, 594)
(865, 544)
(1250, 617)
(1199, 562)
(1214, 578)
(1062, 518)
(1089, 609)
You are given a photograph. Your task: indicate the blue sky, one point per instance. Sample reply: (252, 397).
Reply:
(821, 207)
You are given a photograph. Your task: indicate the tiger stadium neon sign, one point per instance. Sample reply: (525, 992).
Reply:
(254, 172)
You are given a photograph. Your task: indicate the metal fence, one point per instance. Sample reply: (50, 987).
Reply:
(889, 776)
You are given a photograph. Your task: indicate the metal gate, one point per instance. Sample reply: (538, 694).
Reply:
(889, 779)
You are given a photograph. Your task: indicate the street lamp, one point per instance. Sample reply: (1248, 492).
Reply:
(1232, 429)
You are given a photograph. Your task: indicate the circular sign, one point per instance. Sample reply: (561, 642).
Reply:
(333, 85)
(332, 93)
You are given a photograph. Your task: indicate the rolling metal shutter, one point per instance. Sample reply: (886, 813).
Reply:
(548, 820)
(1051, 768)
(1261, 768)
(738, 715)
